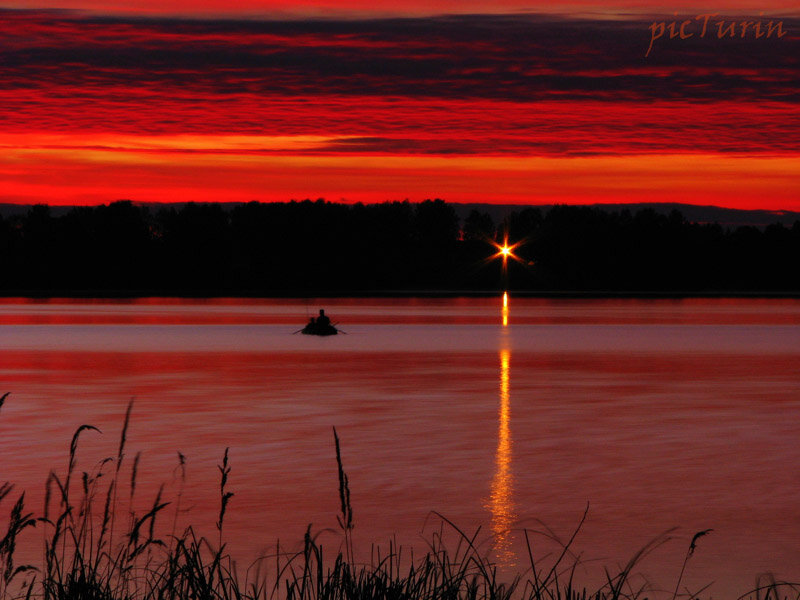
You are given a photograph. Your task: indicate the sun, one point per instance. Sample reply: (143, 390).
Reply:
(505, 251)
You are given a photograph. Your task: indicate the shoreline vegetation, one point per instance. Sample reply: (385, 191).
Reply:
(97, 546)
(323, 248)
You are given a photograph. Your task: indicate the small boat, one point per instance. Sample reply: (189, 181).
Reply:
(316, 329)
(319, 326)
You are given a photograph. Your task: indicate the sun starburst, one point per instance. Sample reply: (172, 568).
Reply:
(506, 251)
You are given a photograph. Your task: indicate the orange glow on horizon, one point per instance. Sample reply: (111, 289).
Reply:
(98, 175)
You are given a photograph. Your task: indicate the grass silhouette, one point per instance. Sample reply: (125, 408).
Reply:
(97, 547)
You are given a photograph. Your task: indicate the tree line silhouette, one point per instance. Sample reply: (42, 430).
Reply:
(319, 247)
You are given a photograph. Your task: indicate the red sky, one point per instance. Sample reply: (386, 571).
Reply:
(132, 102)
(269, 8)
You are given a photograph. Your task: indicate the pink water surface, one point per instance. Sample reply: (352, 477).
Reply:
(657, 413)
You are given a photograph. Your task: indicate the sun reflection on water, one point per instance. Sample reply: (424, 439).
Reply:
(501, 503)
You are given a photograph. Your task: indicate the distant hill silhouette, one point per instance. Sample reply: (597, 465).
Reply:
(323, 247)
(695, 213)
(726, 217)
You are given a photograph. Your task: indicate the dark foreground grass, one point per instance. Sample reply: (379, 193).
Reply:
(97, 547)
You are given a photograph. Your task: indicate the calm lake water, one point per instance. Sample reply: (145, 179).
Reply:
(657, 413)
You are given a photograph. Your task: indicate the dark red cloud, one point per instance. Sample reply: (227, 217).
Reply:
(446, 85)
(497, 57)
(468, 86)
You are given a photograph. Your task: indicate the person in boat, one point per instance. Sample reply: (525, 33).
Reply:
(323, 322)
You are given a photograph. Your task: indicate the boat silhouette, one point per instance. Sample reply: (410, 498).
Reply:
(316, 329)
(320, 325)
